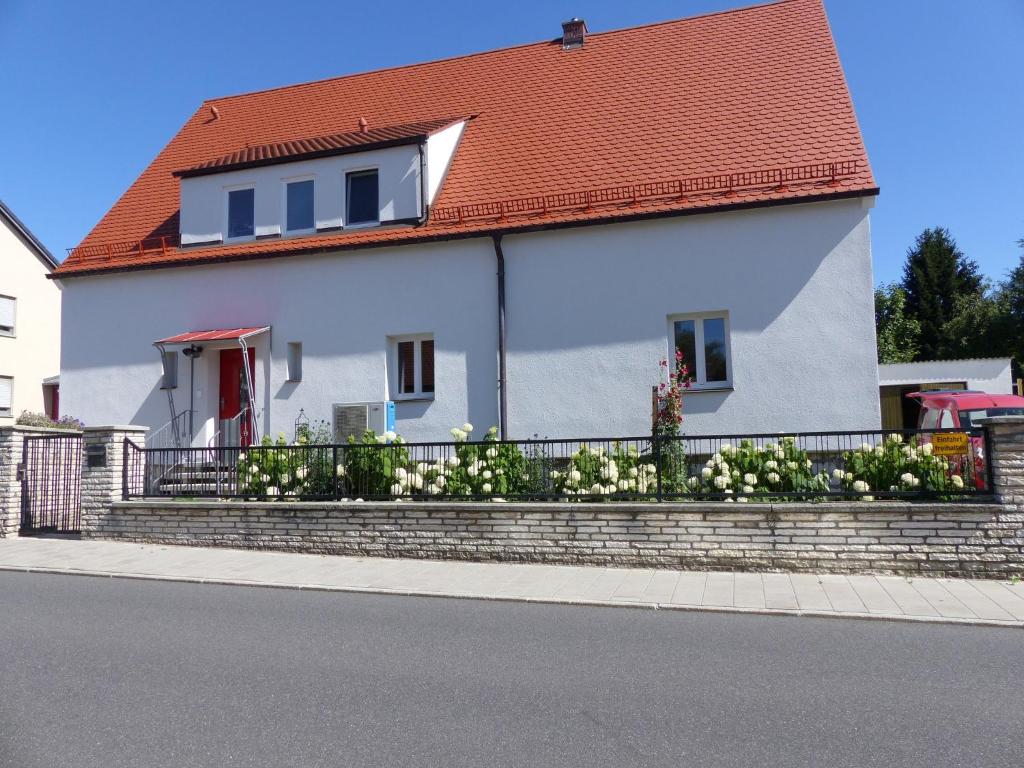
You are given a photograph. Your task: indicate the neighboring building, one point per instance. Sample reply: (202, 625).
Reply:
(29, 323)
(514, 237)
(897, 380)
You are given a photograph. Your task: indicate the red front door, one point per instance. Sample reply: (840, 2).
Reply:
(234, 389)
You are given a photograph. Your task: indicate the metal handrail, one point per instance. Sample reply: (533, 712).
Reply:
(173, 434)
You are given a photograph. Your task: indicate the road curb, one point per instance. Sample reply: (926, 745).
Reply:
(509, 599)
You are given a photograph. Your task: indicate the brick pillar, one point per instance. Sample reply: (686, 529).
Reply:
(1006, 441)
(103, 448)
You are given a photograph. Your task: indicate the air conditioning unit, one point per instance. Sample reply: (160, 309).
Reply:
(353, 419)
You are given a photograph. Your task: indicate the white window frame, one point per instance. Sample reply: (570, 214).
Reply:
(699, 375)
(294, 361)
(395, 384)
(284, 204)
(14, 328)
(344, 201)
(227, 212)
(8, 412)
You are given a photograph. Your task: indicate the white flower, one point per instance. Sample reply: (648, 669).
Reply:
(848, 477)
(726, 449)
(750, 479)
(773, 477)
(440, 481)
(492, 453)
(694, 481)
(927, 449)
(499, 472)
(486, 487)
(396, 489)
(473, 469)
(381, 439)
(895, 438)
(467, 427)
(837, 474)
(879, 450)
(575, 476)
(748, 489)
(265, 478)
(771, 464)
(301, 473)
(401, 474)
(907, 479)
(807, 463)
(458, 435)
(389, 435)
(717, 459)
(791, 465)
(453, 461)
(486, 474)
(706, 472)
(865, 447)
(285, 478)
(860, 486)
(273, 490)
(340, 470)
(416, 481)
(623, 485)
(958, 482)
(721, 481)
(633, 472)
(596, 489)
(742, 499)
(492, 431)
(433, 490)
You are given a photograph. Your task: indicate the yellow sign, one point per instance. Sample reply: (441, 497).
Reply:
(949, 443)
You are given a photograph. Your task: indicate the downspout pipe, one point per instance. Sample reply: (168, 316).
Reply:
(502, 368)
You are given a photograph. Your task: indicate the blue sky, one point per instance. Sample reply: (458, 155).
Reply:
(94, 90)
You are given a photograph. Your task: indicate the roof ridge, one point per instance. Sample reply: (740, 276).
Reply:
(443, 59)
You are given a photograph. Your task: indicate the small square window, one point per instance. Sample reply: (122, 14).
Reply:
(703, 341)
(6, 395)
(294, 361)
(7, 310)
(414, 367)
(299, 214)
(241, 213)
(363, 198)
(170, 374)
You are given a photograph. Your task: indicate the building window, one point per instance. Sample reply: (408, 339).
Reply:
(294, 361)
(170, 377)
(299, 206)
(7, 305)
(6, 395)
(414, 367)
(241, 213)
(363, 198)
(704, 341)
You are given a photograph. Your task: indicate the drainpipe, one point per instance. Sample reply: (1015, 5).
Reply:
(424, 208)
(502, 378)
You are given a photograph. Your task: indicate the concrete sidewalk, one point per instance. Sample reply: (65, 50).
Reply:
(964, 601)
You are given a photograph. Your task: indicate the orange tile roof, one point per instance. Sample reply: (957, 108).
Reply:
(739, 108)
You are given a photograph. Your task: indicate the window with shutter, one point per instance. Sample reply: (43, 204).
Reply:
(6, 395)
(413, 367)
(7, 307)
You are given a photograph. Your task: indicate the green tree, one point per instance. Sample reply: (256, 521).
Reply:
(938, 280)
(898, 333)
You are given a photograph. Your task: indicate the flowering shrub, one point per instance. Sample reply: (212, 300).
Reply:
(376, 465)
(775, 468)
(896, 466)
(598, 472)
(30, 419)
(277, 469)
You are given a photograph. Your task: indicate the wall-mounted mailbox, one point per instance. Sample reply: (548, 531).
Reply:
(95, 456)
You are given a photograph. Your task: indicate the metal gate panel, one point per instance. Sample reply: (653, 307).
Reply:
(51, 483)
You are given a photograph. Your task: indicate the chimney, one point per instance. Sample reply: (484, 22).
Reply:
(574, 32)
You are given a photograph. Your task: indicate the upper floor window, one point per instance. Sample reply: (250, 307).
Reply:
(414, 371)
(241, 213)
(7, 305)
(299, 206)
(363, 197)
(704, 342)
(170, 373)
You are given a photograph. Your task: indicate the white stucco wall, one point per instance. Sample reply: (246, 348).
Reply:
(33, 354)
(204, 198)
(588, 321)
(587, 316)
(986, 374)
(440, 151)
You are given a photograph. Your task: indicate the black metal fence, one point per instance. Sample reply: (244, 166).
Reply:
(948, 464)
(51, 483)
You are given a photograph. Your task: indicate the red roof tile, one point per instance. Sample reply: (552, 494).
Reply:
(719, 96)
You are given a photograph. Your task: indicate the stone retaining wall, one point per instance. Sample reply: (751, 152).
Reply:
(977, 539)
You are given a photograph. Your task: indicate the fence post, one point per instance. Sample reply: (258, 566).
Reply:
(1004, 461)
(656, 439)
(103, 476)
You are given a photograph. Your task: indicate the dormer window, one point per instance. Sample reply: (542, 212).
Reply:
(241, 213)
(363, 198)
(299, 206)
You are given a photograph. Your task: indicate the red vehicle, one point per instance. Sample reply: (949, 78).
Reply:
(961, 409)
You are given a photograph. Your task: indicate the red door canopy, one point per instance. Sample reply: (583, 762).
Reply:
(221, 334)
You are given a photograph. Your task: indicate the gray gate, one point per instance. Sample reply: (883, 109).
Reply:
(51, 484)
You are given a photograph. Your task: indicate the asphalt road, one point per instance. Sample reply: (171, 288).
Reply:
(110, 673)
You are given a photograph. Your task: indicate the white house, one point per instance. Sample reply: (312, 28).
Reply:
(513, 238)
(29, 323)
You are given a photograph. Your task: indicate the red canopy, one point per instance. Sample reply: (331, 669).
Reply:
(220, 334)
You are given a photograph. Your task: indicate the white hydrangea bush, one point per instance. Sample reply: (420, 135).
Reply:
(898, 466)
(599, 472)
(746, 471)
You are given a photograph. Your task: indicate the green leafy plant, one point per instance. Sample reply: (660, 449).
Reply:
(895, 465)
(775, 470)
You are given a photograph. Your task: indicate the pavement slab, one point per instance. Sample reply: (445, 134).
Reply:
(957, 601)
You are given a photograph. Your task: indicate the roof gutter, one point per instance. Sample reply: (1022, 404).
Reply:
(502, 368)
